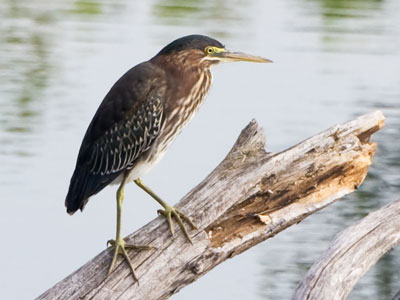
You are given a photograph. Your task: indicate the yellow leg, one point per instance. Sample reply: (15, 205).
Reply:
(119, 244)
(168, 211)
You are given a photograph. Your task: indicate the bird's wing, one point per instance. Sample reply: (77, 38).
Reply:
(119, 146)
(126, 124)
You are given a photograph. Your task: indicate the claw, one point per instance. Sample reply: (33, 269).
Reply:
(187, 219)
(170, 212)
(120, 248)
(129, 263)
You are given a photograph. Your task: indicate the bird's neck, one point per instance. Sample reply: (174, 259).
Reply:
(187, 88)
(187, 91)
(181, 76)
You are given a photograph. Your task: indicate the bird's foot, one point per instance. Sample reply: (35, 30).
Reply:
(169, 212)
(120, 247)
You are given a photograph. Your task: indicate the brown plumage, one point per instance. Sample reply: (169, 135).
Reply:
(138, 119)
(140, 116)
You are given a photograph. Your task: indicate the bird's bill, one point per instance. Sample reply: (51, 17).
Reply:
(228, 56)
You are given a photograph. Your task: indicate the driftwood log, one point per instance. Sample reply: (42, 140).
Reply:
(397, 296)
(351, 254)
(251, 196)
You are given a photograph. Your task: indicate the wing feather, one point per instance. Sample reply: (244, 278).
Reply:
(126, 124)
(121, 146)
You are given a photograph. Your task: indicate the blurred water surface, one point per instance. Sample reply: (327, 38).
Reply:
(334, 60)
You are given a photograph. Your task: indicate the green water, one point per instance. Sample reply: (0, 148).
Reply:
(333, 60)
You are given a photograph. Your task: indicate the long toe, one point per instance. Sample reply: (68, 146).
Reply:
(120, 247)
(171, 212)
(187, 219)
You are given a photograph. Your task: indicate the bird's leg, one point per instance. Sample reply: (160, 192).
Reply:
(119, 244)
(168, 211)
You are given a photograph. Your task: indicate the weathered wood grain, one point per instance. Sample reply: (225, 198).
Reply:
(251, 196)
(351, 254)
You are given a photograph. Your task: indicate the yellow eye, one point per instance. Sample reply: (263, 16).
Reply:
(209, 50)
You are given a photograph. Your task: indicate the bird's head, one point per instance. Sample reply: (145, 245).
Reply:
(202, 51)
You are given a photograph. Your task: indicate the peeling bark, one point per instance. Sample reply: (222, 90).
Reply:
(251, 196)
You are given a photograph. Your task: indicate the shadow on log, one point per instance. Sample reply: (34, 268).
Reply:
(251, 196)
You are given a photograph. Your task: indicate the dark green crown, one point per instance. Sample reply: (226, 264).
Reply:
(194, 41)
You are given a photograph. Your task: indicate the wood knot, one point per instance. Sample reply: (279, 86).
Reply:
(197, 267)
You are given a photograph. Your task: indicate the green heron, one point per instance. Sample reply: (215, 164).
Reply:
(138, 119)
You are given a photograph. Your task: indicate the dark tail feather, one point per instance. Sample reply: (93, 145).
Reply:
(77, 193)
(83, 185)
